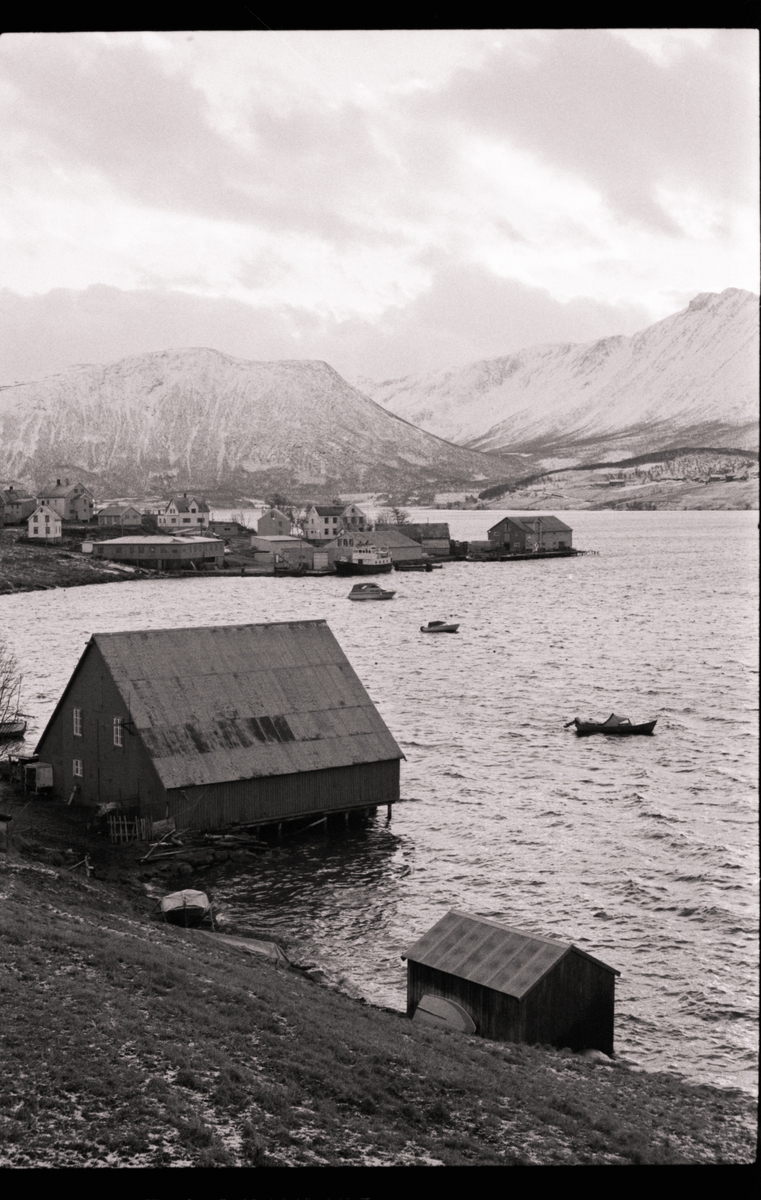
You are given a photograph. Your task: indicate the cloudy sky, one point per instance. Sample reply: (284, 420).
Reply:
(388, 201)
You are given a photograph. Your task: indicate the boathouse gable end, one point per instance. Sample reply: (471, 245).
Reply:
(110, 768)
(252, 723)
(516, 986)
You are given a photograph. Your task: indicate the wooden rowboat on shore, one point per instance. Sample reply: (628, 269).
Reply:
(187, 908)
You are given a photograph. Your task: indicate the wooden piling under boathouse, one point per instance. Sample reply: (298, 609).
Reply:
(240, 724)
(515, 986)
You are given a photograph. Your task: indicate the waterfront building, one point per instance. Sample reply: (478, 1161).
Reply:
(431, 536)
(292, 553)
(210, 726)
(44, 523)
(519, 535)
(515, 986)
(163, 551)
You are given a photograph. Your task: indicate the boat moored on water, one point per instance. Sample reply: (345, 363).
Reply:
(439, 627)
(369, 591)
(187, 908)
(364, 559)
(620, 726)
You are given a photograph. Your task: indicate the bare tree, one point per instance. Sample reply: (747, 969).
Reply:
(393, 515)
(10, 684)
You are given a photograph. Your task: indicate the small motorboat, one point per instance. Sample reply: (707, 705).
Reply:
(11, 730)
(187, 908)
(369, 591)
(439, 627)
(620, 726)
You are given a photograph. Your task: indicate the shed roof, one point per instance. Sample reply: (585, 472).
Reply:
(117, 510)
(438, 530)
(490, 954)
(157, 539)
(535, 525)
(219, 704)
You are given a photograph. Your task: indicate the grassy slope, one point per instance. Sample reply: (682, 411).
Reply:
(129, 1043)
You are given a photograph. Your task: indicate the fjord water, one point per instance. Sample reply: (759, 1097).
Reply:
(642, 851)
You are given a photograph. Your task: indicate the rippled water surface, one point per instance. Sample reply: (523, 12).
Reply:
(642, 851)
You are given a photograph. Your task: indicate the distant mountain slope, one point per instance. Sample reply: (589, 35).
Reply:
(198, 416)
(691, 379)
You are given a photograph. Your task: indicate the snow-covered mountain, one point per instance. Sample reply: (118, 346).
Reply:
(204, 418)
(691, 379)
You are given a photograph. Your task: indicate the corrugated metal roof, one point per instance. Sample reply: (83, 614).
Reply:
(235, 702)
(490, 954)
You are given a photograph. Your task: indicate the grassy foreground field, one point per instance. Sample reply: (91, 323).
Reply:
(128, 1043)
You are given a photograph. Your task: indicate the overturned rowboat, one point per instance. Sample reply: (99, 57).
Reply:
(619, 726)
(187, 908)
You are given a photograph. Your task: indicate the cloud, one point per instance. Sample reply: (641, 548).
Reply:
(465, 315)
(589, 103)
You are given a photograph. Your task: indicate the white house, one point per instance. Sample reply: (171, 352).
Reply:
(45, 523)
(72, 501)
(325, 521)
(185, 512)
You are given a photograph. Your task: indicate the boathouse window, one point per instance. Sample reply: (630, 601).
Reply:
(77, 722)
(76, 767)
(118, 735)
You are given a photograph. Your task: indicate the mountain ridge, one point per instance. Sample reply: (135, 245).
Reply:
(203, 418)
(694, 372)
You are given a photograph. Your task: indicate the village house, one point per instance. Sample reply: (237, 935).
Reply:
(227, 529)
(183, 512)
(19, 505)
(400, 548)
(72, 501)
(292, 553)
(274, 523)
(325, 521)
(163, 552)
(45, 523)
(123, 515)
(210, 726)
(432, 536)
(515, 986)
(520, 535)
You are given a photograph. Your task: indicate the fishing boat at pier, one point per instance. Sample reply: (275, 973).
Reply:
(364, 559)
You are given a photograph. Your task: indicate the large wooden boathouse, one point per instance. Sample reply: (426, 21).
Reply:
(515, 986)
(212, 726)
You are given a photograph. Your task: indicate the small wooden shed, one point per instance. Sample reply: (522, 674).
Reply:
(516, 986)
